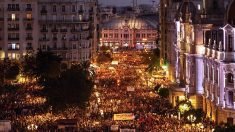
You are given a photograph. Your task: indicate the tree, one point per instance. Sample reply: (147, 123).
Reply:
(152, 59)
(47, 65)
(12, 71)
(104, 55)
(163, 92)
(71, 88)
(29, 65)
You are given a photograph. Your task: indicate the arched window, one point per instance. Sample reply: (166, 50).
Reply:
(230, 78)
(230, 98)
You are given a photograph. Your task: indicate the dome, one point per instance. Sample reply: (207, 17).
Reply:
(231, 13)
(137, 23)
(187, 7)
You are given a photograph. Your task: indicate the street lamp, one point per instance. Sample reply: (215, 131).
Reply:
(192, 119)
(32, 127)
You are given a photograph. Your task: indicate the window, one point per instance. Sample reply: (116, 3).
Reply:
(54, 8)
(230, 43)
(29, 16)
(230, 98)
(105, 35)
(13, 17)
(73, 8)
(230, 78)
(28, 6)
(143, 36)
(137, 35)
(110, 35)
(63, 8)
(116, 35)
(199, 7)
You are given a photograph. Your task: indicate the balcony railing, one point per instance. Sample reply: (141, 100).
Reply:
(63, 30)
(10, 19)
(44, 30)
(54, 30)
(74, 30)
(43, 11)
(13, 9)
(29, 48)
(65, 21)
(28, 19)
(28, 9)
(14, 49)
(74, 39)
(14, 39)
(43, 39)
(13, 29)
(28, 28)
(29, 38)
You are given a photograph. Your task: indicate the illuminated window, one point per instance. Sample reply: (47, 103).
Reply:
(199, 7)
(29, 16)
(13, 17)
(80, 17)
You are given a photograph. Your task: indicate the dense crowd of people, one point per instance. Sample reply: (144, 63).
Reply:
(119, 88)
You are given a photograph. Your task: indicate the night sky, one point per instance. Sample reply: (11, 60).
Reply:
(124, 2)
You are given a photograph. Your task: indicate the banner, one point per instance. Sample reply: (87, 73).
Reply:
(130, 89)
(124, 116)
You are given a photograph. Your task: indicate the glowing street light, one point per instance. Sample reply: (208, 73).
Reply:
(191, 118)
(32, 127)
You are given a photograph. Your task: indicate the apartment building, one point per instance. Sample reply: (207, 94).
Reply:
(67, 27)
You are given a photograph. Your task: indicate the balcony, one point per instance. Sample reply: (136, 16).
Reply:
(74, 30)
(29, 38)
(28, 9)
(44, 30)
(64, 21)
(63, 39)
(43, 39)
(13, 29)
(81, 11)
(74, 39)
(28, 19)
(13, 49)
(13, 9)
(29, 48)
(10, 19)
(28, 28)
(15, 39)
(63, 30)
(43, 11)
(54, 30)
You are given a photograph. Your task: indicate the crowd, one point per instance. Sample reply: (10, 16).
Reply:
(119, 89)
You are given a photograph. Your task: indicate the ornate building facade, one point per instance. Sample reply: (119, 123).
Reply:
(201, 54)
(129, 32)
(67, 27)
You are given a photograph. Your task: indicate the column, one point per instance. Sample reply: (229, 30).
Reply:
(222, 85)
(199, 75)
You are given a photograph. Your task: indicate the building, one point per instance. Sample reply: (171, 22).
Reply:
(198, 48)
(130, 32)
(67, 27)
(219, 70)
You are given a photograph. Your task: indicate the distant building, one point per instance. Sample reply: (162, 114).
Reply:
(68, 28)
(132, 32)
